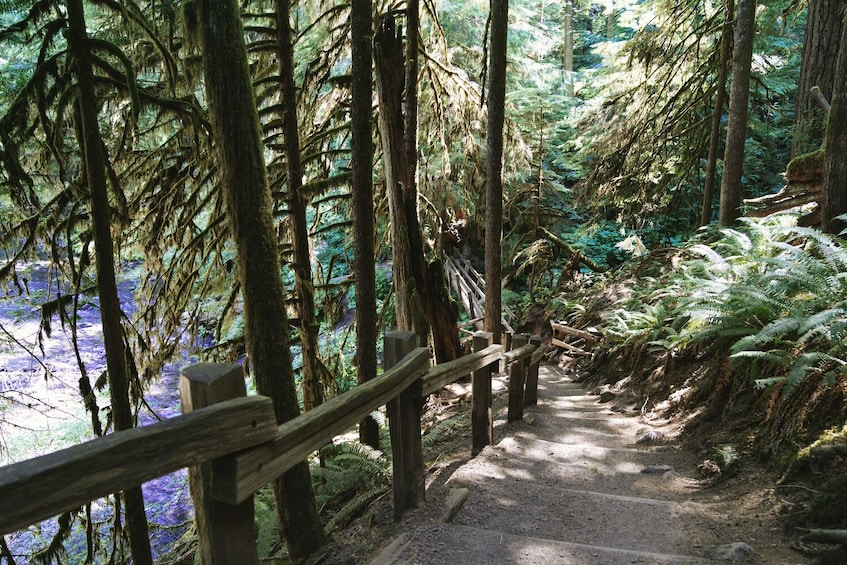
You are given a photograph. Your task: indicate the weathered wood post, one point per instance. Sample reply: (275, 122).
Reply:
(482, 426)
(531, 394)
(404, 422)
(226, 533)
(517, 380)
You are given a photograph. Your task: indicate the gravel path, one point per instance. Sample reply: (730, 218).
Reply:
(576, 483)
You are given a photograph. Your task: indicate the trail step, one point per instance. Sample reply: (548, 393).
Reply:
(438, 544)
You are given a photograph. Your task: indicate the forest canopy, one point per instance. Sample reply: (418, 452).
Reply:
(624, 130)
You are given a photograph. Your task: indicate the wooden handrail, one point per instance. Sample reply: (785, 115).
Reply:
(237, 476)
(42, 487)
(239, 438)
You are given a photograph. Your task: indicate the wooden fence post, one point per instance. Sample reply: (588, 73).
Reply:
(517, 380)
(482, 426)
(404, 422)
(226, 533)
(531, 394)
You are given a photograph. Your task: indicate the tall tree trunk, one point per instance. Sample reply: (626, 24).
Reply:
(834, 197)
(117, 363)
(235, 124)
(494, 166)
(421, 299)
(568, 45)
(820, 51)
(361, 141)
(736, 133)
(610, 22)
(308, 327)
(720, 100)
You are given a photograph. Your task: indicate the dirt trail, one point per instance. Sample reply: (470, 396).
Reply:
(576, 483)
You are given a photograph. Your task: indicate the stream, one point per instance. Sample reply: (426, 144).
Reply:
(41, 412)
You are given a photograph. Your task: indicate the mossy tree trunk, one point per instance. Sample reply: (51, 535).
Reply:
(494, 167)
(422, 302)
(238, 135)
(308, 327)
(361, 141)
(717, 116)
(117, 363)
(736, 133)
(820, 52)
(834, 197)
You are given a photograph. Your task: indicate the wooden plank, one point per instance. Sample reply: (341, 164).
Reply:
(517, 377)
(226, 533)
(239, 475)
(442, 375)
(482, 425)
(42, 487)
(455, 500)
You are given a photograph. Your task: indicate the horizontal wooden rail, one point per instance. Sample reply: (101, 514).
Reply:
(240, 447)
(442, 375)
(519, 353)
(237, 476)
(42, 487)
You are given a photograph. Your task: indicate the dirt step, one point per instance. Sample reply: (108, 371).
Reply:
(666, 476)
(546, 510)
(436, 544)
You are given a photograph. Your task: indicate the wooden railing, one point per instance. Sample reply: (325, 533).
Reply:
(233, 445)
(469, 287)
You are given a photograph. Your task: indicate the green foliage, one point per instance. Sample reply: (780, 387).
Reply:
(772, 296)
(351, 478)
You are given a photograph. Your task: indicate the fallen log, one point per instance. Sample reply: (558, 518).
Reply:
(589, 338)
(570, 251)
(826, 536)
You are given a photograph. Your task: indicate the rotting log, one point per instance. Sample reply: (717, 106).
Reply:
(570, 251)
(42, 487)
(589, 338)
(826, 536)
(239, 475)
(225, 532)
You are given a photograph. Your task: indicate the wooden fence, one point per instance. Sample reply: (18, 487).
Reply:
(233, 446)
(469, 287)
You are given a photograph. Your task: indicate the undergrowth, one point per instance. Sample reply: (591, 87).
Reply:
(758, 312)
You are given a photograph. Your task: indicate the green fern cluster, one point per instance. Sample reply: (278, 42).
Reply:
(771, 295)
(351, 477)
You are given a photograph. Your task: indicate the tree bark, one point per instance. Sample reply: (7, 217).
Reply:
(308, 327)
(494, 167)
(720, 100)
(117, 363)
(235, 124)
(736, 133)
(834, 198)
(820, 52)
(421, 300)
(361, 142)
(568, 45)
